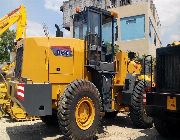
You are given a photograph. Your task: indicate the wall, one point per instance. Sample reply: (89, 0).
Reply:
(156, 26)
(142, 44)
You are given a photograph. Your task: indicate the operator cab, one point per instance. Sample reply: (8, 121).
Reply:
(96, 26)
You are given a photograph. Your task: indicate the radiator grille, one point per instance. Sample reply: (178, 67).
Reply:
(19, 59)
(168, 69)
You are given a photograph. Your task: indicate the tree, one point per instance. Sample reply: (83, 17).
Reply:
(6, 44)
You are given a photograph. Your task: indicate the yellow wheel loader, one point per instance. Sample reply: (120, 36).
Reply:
(74, 81)
(17, 16)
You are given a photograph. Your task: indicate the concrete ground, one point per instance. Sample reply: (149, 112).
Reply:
(119, 128)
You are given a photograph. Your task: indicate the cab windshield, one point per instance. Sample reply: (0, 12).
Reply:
(97, 27)
(80, 26)
(103, 29)
(107, 28)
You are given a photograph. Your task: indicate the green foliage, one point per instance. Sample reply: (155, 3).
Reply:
(6, 42)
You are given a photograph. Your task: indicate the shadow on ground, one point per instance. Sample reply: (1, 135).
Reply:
(152, 134)
(39, 130)
(121, 121)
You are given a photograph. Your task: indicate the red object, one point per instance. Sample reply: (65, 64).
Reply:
(20, 91)
(61, 47)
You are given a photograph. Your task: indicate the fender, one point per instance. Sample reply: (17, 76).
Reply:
(130, 82)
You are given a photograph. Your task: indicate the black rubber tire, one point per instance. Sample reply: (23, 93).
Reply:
(167, 128)
(162, 127)
(50, 120)
(137, 109)
(67, 106)
(110, 115)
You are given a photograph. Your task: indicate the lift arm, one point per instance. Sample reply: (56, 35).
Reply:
(18, 15)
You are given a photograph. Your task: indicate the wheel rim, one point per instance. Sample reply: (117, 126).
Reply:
(85, 113)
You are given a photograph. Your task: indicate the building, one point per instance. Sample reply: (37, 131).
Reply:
(138, 22)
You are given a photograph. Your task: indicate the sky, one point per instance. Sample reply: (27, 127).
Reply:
(48, 12)
(39, 12)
